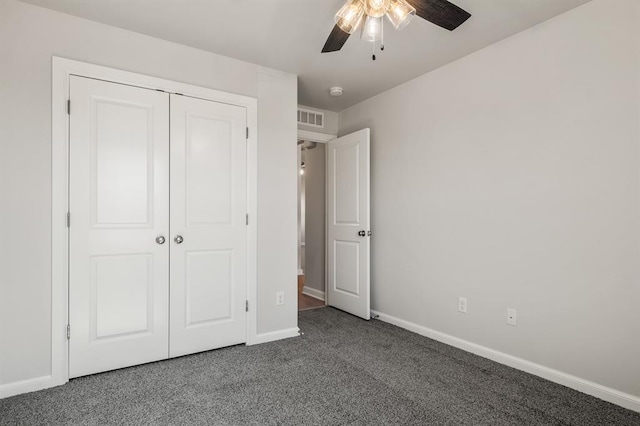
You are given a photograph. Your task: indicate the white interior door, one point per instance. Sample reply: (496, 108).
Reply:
(348, 223)
(208, 225)
(118, 200)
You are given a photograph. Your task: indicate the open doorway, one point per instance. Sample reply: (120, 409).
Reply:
(334, 222)
(311, 224)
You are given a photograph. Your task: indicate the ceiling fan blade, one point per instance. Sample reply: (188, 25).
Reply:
(440, 12)
(336, 40)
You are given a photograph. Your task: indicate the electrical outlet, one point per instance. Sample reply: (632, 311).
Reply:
(280, 298)
(512, 317)
(462, 305)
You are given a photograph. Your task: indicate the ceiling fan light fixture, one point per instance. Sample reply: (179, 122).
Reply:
(400, 13)
(376, 8)
(371, 29)
(349, 16)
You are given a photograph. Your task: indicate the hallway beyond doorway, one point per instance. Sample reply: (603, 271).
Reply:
(306, 302)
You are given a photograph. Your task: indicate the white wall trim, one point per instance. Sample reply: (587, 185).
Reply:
(274, 335)
(62, 70)
(594, 389)
(315, 136)
(312, 292)
(24, 386)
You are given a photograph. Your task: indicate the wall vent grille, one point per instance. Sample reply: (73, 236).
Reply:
(310, 118)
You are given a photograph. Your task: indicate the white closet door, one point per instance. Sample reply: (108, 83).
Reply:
(119, 199)
(208, 228)
(348, 223)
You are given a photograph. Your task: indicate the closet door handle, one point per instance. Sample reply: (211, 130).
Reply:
(160, 239)
(178, 239)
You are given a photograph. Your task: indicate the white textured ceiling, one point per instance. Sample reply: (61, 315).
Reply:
(289, 34)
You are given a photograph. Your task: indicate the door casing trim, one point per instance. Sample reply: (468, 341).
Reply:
(62, 70)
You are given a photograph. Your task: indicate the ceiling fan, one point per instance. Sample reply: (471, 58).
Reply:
(368, 14)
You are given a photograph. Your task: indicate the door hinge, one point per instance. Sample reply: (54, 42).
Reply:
(247, 133)
(68, 106)
(68, 332)
(247, 219)
(68, 220)
(246, 306)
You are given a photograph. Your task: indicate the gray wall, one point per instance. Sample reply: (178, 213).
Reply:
(511, 178)
(314, 178)
(30, 36)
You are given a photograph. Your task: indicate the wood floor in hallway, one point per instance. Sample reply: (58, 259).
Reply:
(306, 302)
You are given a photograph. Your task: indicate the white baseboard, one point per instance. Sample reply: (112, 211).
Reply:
(318, 294)
(44, 382)
(29, 385)
(594, 389)
(274, 335)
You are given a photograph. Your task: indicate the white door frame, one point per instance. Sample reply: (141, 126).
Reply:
(310, 136)
(307, 135)
(62, 70)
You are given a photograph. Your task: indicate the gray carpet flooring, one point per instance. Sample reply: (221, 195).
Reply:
(342, 371)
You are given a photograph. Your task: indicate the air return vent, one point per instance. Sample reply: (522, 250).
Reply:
(310, 118)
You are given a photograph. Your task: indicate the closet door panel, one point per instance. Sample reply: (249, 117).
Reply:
(119, 200)
(209, 178)
(208, 225)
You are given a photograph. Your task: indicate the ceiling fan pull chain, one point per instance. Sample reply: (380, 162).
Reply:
(382, 34)
(373, 50)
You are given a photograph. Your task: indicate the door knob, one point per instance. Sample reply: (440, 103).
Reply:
(362, 233)
(160, 239)
(178, 239)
